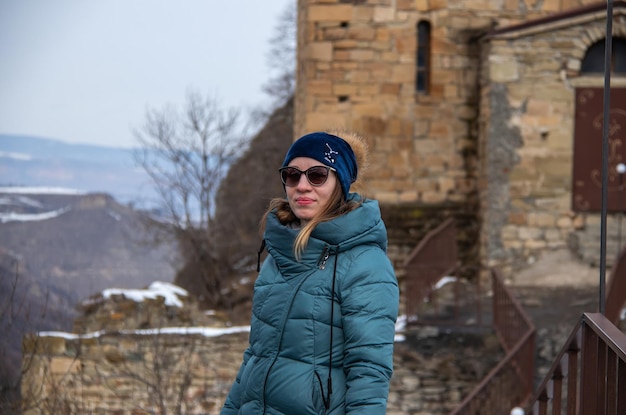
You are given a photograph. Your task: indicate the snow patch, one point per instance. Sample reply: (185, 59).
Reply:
(114, 215)
(169, 292)
(203, 331)
(31, 217)
(443, 281)
(16, 156)
(40, 190)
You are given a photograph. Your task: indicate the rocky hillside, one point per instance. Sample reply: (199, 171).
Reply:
(82, 244)
(58, 249)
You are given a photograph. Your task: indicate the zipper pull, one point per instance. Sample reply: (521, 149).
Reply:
(323, 258)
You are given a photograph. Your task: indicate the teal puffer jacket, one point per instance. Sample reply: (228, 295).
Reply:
(285, 369)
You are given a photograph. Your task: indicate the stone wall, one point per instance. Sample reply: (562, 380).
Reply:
(532, 75)
(356, 70)
(137, 352)
(137, 374)
(129, 374)
(477, 139)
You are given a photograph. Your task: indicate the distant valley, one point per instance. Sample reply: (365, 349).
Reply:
(43, 162)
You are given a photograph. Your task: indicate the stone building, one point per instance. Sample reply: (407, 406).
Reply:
(490, 111)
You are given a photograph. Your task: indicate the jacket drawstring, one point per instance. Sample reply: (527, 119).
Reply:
(330, 351)
(258, 260)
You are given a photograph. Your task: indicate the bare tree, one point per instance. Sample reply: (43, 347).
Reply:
(281, 57)
(186, 154)
(25, 306)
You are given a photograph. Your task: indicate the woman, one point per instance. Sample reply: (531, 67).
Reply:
(326, 298)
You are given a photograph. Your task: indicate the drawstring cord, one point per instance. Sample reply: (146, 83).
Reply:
(258, 259)
(330, 350)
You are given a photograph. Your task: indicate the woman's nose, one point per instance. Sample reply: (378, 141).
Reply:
(303, 183)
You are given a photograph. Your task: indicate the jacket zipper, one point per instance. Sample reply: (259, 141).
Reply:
(323, 258)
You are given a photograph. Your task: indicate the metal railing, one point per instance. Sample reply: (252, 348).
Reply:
(510, 383)
(588, 376)
(616, 290)
(434, 257)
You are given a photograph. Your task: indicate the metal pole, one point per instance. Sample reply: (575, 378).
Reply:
(621, 169)
(605, 148)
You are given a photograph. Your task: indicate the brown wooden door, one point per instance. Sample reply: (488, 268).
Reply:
(587, 160)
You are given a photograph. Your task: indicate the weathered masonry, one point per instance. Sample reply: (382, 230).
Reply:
(483, 110)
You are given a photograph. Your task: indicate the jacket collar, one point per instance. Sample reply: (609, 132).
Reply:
(363, 225)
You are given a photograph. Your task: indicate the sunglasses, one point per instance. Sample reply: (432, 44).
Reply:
(316, 175)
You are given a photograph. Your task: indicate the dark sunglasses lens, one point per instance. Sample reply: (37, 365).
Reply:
(290, 176)
(317, 175)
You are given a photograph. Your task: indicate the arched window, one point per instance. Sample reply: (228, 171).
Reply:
(422, 75)
(593, 62)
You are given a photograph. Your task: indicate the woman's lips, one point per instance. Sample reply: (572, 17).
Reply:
(304, 201)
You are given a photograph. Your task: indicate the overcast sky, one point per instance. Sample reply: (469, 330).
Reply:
(86, 71)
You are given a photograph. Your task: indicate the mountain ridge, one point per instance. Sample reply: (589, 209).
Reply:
(44, 162)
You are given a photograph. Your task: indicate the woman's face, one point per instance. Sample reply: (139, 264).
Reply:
(307, 201)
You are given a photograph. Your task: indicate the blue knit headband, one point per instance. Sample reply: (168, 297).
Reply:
(329, 150)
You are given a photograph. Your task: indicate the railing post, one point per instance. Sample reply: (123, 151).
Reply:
(557, 391)
(611, 386)
(589, 371)
(543, 404)
(572, 379)
(601, 373)
(621, 384)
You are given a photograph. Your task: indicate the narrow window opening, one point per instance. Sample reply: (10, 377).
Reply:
(422, 75)
(343, 98)
(344, 24)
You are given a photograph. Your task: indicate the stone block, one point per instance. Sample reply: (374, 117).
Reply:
(330, 13)
(541, 219)
(319, 51)
(320, 87)
(433, 197)
(322, 121)
(383, 35)
(564, 223)
(529, 233)
(383, 14)
(334, 33)
(362, 33)
(446, 184)
(362, 14)
(62, 366)
(509, 232)
(345, 89)
(345, 44)
(32, 343)
(390, 197)
(503, 69)
(403, 73)
(408, 5)
(535, 244)
(408, 196)
(371, 109)
(361, 55)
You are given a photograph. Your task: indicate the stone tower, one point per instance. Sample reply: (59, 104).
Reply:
(468, 108)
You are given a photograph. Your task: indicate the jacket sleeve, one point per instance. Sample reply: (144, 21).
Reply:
(369, 304)
(231, 405)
